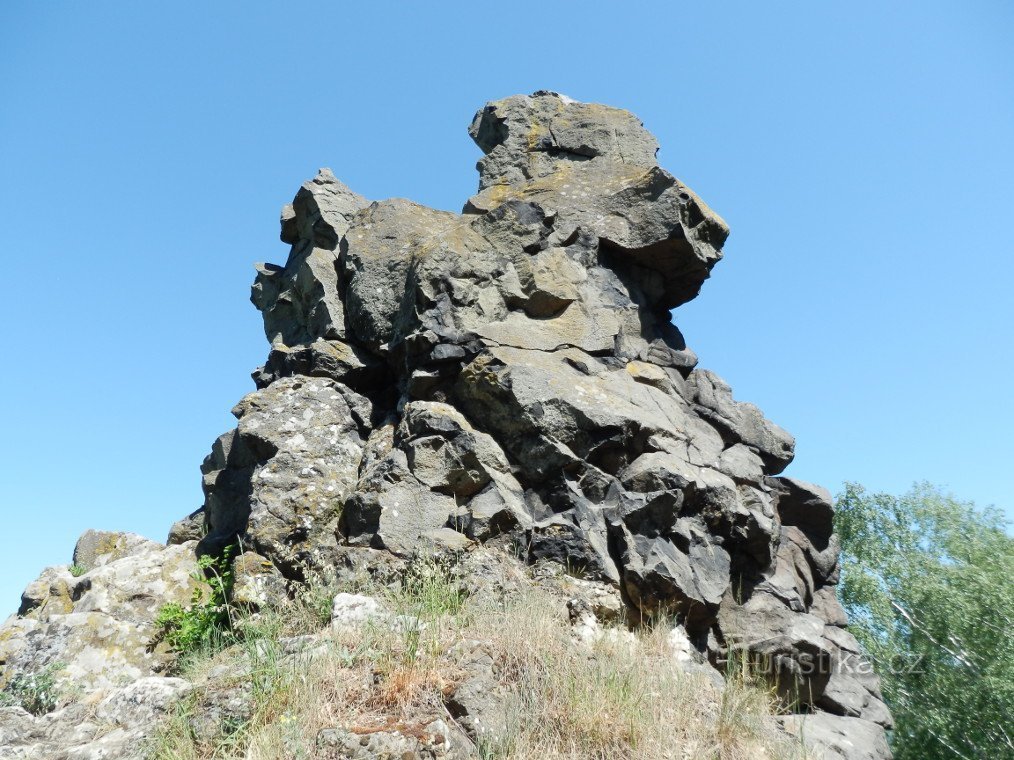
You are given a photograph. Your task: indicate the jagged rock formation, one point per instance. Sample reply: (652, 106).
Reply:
(511, 376)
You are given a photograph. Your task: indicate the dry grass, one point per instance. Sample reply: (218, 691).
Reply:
(620, 697)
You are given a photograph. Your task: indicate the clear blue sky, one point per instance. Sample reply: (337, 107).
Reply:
(862, 152)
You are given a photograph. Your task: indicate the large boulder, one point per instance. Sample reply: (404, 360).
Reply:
(279, 480)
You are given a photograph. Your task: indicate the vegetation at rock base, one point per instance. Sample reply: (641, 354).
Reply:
(294, 678)
(928, 584)
(208, 618)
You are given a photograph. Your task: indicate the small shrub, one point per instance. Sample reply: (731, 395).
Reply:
(77, 570)
(36, 692)
(207, 620)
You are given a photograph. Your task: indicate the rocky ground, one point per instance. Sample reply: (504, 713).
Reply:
(504, 386)
(441, 655)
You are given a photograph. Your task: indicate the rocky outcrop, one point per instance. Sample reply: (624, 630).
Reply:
(99, 622)
(88, 633)
(511, 376)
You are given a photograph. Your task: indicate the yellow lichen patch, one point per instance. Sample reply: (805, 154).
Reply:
(59, 601)
(568, 180)
(536, 132)
(250, 563)
(110, 543)
(649, 374)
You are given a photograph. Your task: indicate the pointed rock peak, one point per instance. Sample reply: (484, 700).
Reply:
(592, 168)
(321, 211)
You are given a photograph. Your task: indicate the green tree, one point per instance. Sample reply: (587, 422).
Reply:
(928, 583)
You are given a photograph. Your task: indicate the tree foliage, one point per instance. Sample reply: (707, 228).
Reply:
(927, 583)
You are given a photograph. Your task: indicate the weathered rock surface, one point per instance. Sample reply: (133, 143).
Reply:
(114, 726)
(506, 376)
(95, 636)
(99, 627)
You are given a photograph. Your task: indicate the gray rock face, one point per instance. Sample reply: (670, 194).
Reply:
(511, 376)
(436, 473)
(526, 385)
(279, 480)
